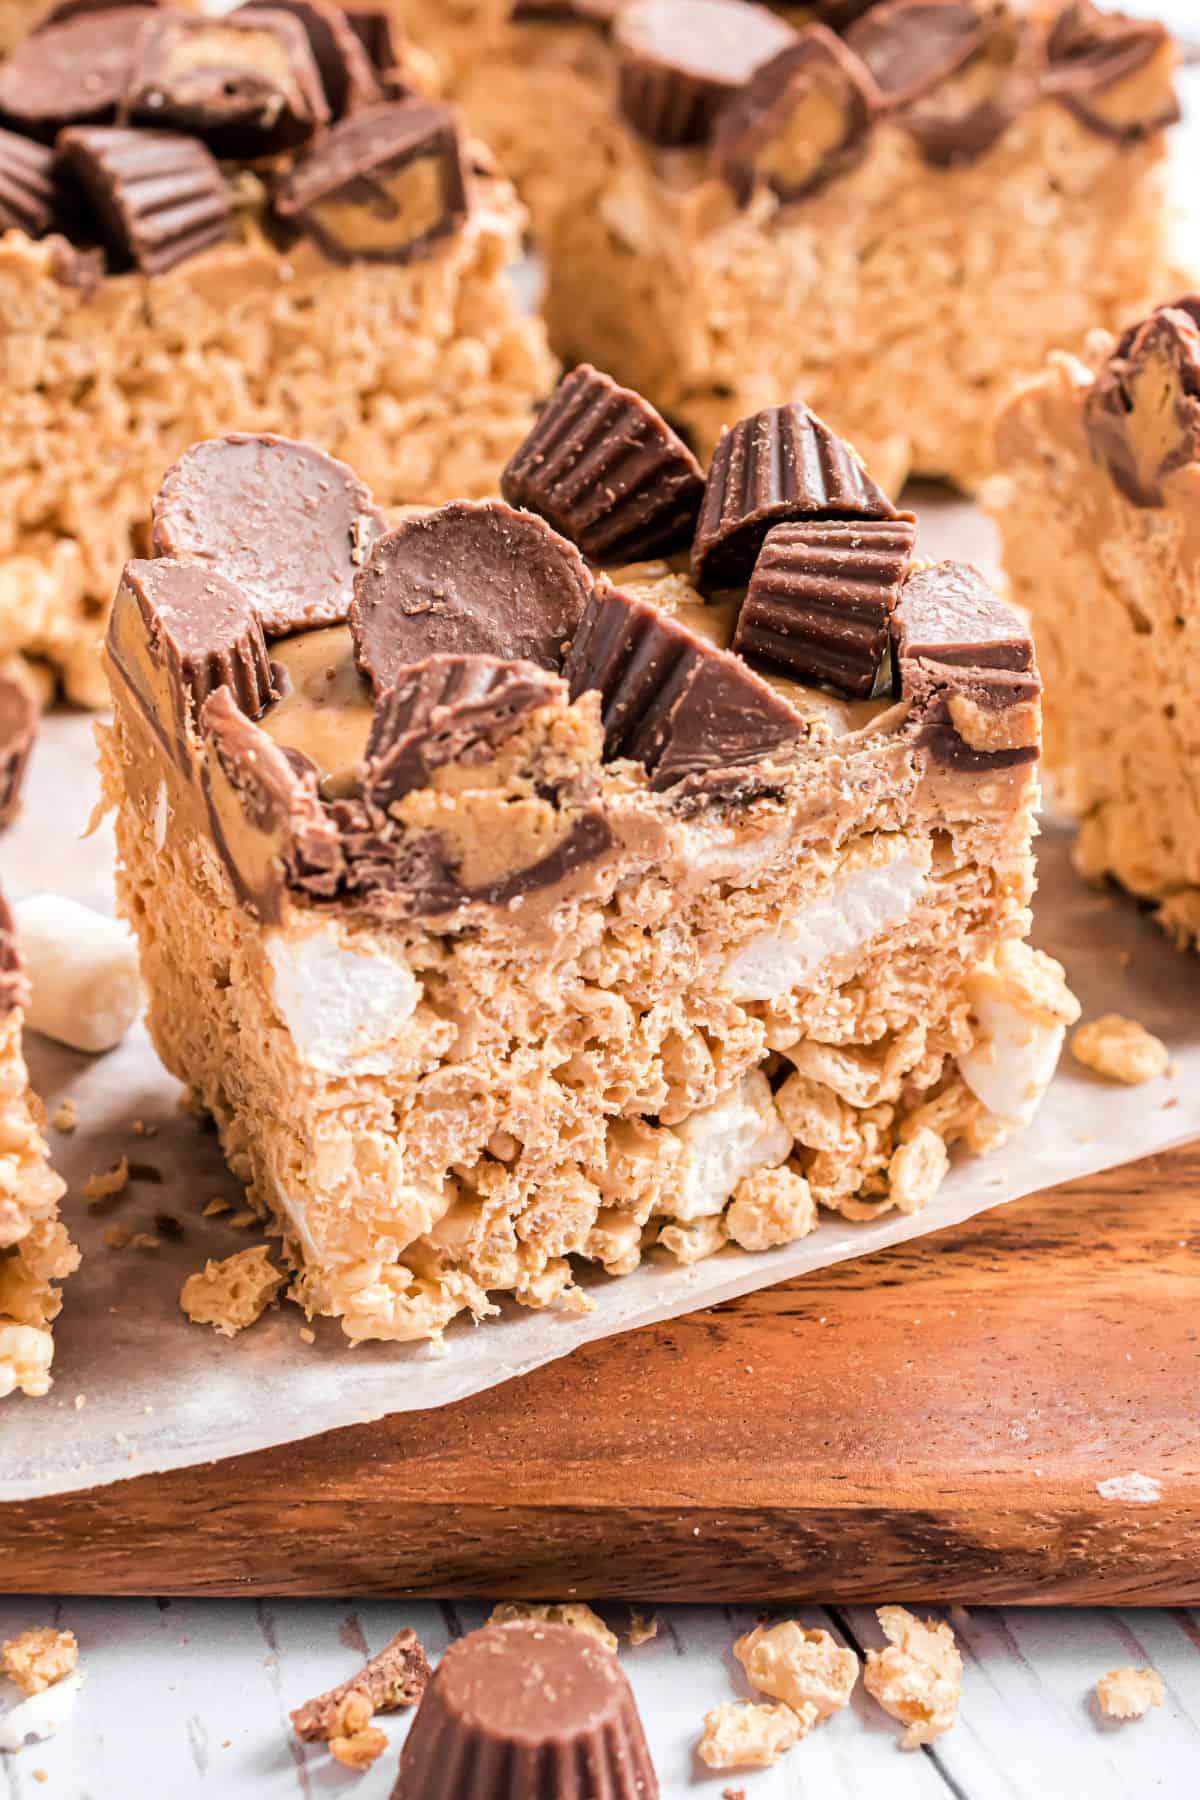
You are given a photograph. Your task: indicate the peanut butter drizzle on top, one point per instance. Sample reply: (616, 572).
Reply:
(327, 709)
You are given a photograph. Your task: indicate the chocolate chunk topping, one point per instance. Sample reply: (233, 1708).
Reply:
(519, 1710)
(470, 580)
(1142, 412)
(670, 700)
(376, 32)
(72, 9)
(18, 729)
(780, 464)
(396, 1677)
(288, 524)
(71, 74)
(800, 120)
(12, 980)
(347, 78)
(911, 46)
(1113, 72)
(246, 83)
(383, 186)
(28, 197)
(820, 599)
(448, 709)
(158, 198)
(678, 60)
(198, 628)
(607, 471)
(965, 661)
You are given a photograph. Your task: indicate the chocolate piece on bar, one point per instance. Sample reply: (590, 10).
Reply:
(74, 73)
(588, 12)
(800, 120)
(347, 77)
(448, 709)
(1142, 412)
(395, 1678)
(288, 524)
(18, 729)
(965, 661)
(469, 579)
(669, 699)
(1113, 72)
(376, 32)
(73, 9)
(383, 186)
(678, 60)
(246, 83)
(28, 194)
(912, 46)
(158, 198)
(522, 1710)
(820, 599)
(780, 464)
(607, 471)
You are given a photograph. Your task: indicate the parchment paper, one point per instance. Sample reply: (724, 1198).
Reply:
(140, 1389)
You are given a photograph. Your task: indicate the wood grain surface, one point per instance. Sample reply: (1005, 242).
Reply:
(935, 1422)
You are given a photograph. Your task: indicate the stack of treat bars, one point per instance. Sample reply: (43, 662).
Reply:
(570, 824)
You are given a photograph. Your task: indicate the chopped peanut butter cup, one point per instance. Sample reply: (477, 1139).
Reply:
(801, 119)
(290, 525)
(911, 46)
(470, 579)
(783, 463)
(607, 471)
(74, 73)
(383, 186)
(159, 198)
(1113, 72)
(347, 77)
(820, 599)
(1142, 413)
(28, 195)
(678, 60)
(385, 50)
(18, 729)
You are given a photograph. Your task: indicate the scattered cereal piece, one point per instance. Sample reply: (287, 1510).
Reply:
(307, 1335)
(102, 1185)
(67, 1116)
(118, 1237)
(396, 1677)
(917, 1170)
(697, 1238)
(741, 1735)
(361, 1750)
(247, 1216)
(918, 1678)
(39, 1658)
(213, 1208)
(1120, 1049)
(233, 1293)
(573, 1613)
(1130, 1693)
(80, 1402)
(145, 1240)
(733, 1794)
(642, 1627)
(808, 1670)
(771, 1207)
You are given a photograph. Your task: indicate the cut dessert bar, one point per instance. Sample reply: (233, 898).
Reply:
(1098, 503)
(884, 223)
(641, 859)
(341, 272)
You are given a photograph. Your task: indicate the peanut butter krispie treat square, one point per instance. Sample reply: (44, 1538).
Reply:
(637, 864)
(1098, 504)
(236, 223)
(883, 210)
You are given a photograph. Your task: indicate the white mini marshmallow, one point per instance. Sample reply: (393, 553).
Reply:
(42, 1714)
(1011, 1063)
(845, 919)
(342, 1004)
(84, 987)
(722, 1143)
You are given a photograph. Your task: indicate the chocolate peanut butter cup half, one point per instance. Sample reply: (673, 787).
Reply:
(18, 730)
(385, 50)
(1142, 412)
(1114, 73)
(158, 198)
(74, 73)
(801, 119)
(347, 77)
(28, 192)
(679, 60)
(912, 46)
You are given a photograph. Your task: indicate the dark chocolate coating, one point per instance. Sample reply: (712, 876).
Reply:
(1090, 52)
(1140, 451)
(347, 78)
(910, 46)
(158, 198)
(73, 73)
(19, 719)
(385, 51)
(817, 69)
(28, 192)
(679, 60)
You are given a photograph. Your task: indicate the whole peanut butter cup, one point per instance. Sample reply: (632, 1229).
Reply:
(158, 198)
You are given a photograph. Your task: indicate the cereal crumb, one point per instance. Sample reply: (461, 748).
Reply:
(642, 1627)
(917, 1170)
(145, 1240)
(808, 1670)
(1120, 1049)
(80, 1402)
(740, 1735)
(918, 1677)
(396, 1677)
(103, 1184)
(307, 1335)
(40, 1775)
(213, 1208)
(38, 1658)
(247, 1216)
(733, 1794)
(573, 1613)
(142, 1130)
(1130, 1693)
(361, 1750)
(117, 1237)
(67, 1116)
(233, 1293)
(771, 1207)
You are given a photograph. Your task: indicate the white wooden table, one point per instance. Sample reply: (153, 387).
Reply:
(190, 1699)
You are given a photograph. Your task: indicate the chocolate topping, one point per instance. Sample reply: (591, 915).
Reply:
(472, 580)
(669, 699)
(71, 9)
(820, 599)
(347, 78)
(965, 662)
(28, 197)
(158, 198)
(801, 119)
(518, 1711)
(607, 471)
(1113, 72)
(12, 980)
(448, 709)
(780, 464)
(288, 524)
(1142, 412)
(18, 729)
(678, 60)
(246, 83)
(71, 74)
(383, 186)
(376, 32)
(910, 46)
(394, 1678)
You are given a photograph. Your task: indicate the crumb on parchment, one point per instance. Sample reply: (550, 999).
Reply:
(739, 1734)
(573, 1613)
(395, 1678)
(807, 1669)
(66, 1118)
(361, 1749)
(642, 1627)
(233, 1293)
(918, 1677)
(1121, 1049)
(39, 1657)
(1130, 1693)
(104, 1184)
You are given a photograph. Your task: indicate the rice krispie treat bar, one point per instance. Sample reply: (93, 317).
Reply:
(883, 219)
(1098, 503)
(228, 223)
(642, 859)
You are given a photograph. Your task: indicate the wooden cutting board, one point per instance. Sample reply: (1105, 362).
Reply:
(957, 1419)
